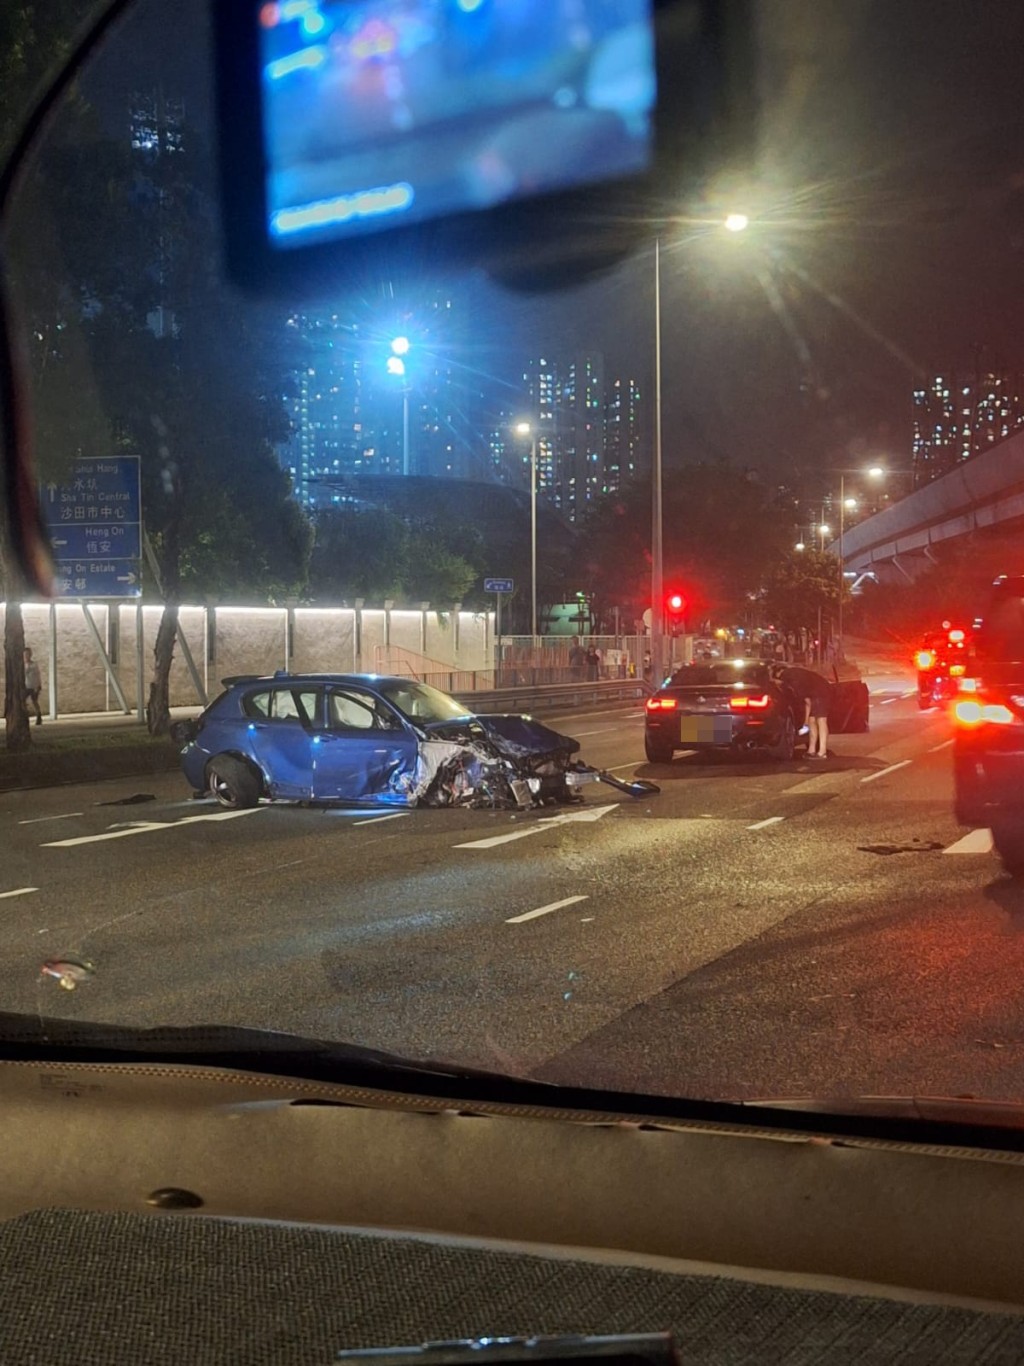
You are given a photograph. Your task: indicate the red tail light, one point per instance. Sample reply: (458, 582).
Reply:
(661, 704)
(924, 659)
(743, 701)
(970, 712)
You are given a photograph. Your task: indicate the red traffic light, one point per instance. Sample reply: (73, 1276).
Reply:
(676, 603)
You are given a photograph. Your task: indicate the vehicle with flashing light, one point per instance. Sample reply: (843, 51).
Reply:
(988, 745)
(941, 661)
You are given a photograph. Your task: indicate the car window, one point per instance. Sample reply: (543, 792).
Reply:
(708, 675)
(283, 704)
(355, 709)
(420, 702)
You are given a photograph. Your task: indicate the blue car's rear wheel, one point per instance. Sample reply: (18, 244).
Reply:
(232, 782)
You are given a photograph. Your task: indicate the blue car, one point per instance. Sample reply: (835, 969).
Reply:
(368, 740)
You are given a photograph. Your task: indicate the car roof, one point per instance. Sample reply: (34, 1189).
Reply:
(284, 679)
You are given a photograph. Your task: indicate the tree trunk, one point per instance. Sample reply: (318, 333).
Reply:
(17, 733)
(158, 711)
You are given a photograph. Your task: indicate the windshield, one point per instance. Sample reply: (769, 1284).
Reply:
(728, 674)
(419, 702)
(782, 424)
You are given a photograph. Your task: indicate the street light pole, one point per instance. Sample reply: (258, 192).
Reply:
(405, 429)
(842, 581)
(530, 429)
(657, 549)
(533, 534)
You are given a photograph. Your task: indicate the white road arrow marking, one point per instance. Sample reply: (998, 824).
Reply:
(144, 827)
(977, 842)
(590, 813)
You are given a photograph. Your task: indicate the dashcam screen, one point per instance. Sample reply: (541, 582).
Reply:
(378, 113)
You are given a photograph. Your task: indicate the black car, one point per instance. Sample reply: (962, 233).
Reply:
(988, 749)
(732, 705)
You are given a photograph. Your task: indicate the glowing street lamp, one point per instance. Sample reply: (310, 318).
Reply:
(736, 222)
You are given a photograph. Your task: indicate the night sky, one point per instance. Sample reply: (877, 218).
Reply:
(889, 188)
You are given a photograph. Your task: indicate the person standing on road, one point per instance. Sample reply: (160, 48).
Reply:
(33, 684)
(577, 659)
(816, 693)
(593, 664)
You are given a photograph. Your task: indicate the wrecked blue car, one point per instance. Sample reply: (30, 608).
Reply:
(369, 740)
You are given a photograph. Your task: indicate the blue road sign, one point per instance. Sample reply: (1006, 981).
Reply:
(94, 520)
(499, 585)
(98, 578)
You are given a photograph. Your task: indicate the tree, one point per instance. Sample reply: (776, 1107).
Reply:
(720, 538)
(186, 376)
(799, 585)
(374, 553)
(357, 553)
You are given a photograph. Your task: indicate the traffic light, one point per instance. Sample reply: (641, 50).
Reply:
(675, 611)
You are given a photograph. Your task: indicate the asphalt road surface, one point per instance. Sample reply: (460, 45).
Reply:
(757, 930)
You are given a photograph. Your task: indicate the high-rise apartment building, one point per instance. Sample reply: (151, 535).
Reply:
(959, 414)
(566, 399)
(156, 132)
(623, 454)
(331, 441)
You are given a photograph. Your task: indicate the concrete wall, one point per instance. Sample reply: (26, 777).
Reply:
(238, 640)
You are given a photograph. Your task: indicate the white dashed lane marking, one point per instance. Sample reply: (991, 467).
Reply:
(544, 910)
(882, 772)
(18, 891)
(760, 825)
(945, 745)
(38, 820)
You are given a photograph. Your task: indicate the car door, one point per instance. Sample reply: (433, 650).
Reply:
(365, 752)
(281, 728)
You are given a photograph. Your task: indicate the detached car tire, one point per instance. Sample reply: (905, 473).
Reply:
(233, 782)
(657, 753)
